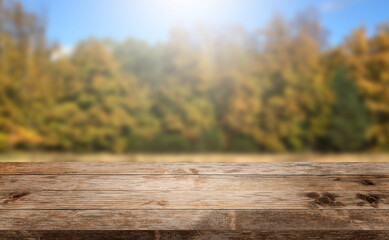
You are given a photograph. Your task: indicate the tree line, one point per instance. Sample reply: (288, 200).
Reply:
(278, 89)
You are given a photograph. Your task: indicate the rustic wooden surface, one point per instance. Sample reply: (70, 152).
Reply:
(194, 201)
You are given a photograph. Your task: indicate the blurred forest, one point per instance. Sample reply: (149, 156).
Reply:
(279, 89)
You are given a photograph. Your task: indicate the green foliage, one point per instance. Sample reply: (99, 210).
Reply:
(274, 90)
(349, 119)
(3, 142)
(369, 61)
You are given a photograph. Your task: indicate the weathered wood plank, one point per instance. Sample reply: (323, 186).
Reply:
(211, 200)
(195, 168)
(191, 182)
(194, 235)
(194, 200)
(262, 220)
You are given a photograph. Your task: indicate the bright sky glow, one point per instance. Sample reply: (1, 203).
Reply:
(188, 11)
(73, 20)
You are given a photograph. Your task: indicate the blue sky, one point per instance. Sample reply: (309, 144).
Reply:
(73, 20)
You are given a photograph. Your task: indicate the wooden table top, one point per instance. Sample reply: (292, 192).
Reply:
(194, 200)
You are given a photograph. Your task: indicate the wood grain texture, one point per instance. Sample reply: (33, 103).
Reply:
(194, 235)
(119, 168)
(191, 183)
(263, 220)
(194, 201)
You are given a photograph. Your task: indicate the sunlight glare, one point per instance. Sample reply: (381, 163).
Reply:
(189, 11)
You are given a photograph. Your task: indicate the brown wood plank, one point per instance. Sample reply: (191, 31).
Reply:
(191, 182)
(262, 220)
(194, 235)
(294, 168)
(194, 200)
